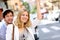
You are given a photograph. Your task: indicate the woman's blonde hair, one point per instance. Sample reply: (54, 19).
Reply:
(18, 22)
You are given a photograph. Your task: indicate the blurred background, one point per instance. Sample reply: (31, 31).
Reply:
(48, 8)
(49, 27)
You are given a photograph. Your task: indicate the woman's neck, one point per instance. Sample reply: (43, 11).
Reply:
(22, 25)
(21, 30)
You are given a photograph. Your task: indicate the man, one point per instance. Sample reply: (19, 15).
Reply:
(1, 10)
(7, 19)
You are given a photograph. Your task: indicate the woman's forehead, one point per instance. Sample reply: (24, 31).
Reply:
(25, 12)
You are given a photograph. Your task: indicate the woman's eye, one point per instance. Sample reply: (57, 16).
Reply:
(23, 15)
(26, 15)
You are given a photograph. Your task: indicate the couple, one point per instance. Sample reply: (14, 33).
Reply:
(20, 29)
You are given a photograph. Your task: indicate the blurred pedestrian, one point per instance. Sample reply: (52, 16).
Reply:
(1, 10)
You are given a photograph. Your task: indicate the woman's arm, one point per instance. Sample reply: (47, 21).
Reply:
(39, 15)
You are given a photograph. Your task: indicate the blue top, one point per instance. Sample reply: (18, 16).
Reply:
(3, 27)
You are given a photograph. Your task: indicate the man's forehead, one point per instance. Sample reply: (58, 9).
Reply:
(9, 13)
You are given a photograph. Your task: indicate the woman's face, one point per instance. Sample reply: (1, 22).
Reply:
(24, 17)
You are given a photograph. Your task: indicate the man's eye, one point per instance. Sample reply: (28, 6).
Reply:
(7, 16)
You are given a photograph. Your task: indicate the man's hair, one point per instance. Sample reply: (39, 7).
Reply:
(7, 12)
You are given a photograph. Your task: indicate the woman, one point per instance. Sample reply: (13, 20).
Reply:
(24, 29)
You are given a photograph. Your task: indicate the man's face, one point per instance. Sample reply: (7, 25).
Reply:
(9, 18)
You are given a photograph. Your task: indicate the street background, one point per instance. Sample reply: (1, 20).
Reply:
(49, 27)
